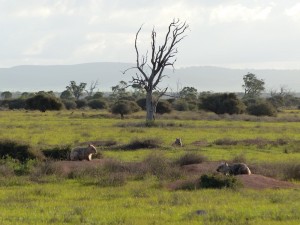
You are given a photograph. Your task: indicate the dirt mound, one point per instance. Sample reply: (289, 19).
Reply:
(254, 181)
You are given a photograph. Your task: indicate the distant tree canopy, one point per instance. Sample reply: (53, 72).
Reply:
(252, 86)
(189, 94)
(66, 95)
(76, 90)
(44, 102)
(223, 103)
(124, 107)
(6, 95)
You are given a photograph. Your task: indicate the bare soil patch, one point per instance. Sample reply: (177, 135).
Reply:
(253, 181)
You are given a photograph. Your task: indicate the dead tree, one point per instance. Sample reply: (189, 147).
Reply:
(162, 56)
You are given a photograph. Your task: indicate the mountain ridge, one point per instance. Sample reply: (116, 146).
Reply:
(108, 74)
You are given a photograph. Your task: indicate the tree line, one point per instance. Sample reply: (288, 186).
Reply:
(148, 96)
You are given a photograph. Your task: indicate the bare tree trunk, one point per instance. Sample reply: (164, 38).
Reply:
(150, 106)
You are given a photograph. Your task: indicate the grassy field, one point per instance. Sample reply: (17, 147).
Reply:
(57, 200)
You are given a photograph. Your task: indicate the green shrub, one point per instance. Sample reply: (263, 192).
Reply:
(44, 102)
(262, 108)
(222, 103)
(58, 152)
(181, 105)
(19, 151)
(141, 103)
(81, 103)
(143, 143)
(163, 107)
(124, 107)
(219, 181)
(69, 104)
(97, 104)
(190, 158)
(17, 104)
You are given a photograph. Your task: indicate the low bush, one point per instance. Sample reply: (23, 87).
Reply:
(163, 107)
(44, 102)
(97, 104)
(219, 181)
(262, 108)
(58, 152)
(143, 143)
(69, 104)
(19, 151)
(81, 103)
(190, 158)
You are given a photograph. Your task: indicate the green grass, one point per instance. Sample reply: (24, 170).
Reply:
(144, 202)
(148, 201)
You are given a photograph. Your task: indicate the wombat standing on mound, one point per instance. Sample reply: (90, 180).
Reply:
(81, 153)
(234, 169)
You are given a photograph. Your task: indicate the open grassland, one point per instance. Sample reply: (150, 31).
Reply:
(144, 202)
(40, 197)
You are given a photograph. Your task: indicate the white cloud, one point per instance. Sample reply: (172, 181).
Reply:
(238, 12)
(294, 12)
(38, 46)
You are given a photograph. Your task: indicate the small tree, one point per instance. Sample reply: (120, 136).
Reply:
(162, 56)
(66, 95)
(119, 91)
(124, 107)
(253, 86)
(6, 95)
(76, 90)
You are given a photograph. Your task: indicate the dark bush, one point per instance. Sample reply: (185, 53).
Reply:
(58, 152)
(222, 103)
(97, 104)
(262, 108)
(142, 103)
(124, 107)
(19, 151)
(81, 103)
(181, 105)
(143, 143)
(190, 158)
(163, 107)
(44, 102)
(69, 104)
(17, 104)
(219, 181)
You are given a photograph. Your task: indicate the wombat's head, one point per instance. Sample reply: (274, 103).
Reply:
(91, 149)
(223, 168)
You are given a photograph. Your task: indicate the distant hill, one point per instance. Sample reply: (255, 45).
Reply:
(204, 78)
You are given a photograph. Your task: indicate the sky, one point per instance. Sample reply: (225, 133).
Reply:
(227, 33)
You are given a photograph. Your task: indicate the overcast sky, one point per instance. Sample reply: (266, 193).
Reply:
(228, 33)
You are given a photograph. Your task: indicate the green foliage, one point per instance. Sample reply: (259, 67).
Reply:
(223, 103)
(143, 143)
(124, 107)
(18, 150)
(219, 181)
(58, 152)
(163, 107)
(76, 90)
(181, 105)
(44, 102)
(253, 86)
(188, 94)
(66, 95)
(69, 104)
(262, 108)
(97, 104)
(81, 103)
(142, 103)
(6, 95)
